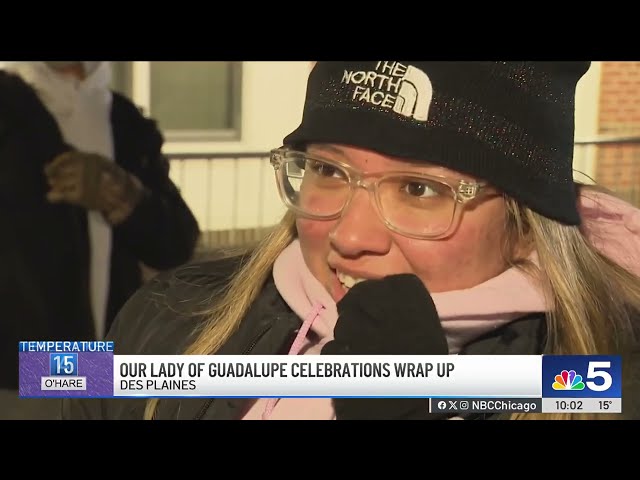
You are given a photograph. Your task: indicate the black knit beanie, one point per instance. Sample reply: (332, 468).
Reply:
(508, 123)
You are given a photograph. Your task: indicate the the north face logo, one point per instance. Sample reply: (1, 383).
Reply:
(402, 88)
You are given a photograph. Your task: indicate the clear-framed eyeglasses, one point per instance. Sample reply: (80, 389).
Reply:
(413, 204)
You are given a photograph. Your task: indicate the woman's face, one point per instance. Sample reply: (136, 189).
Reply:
(359, 245)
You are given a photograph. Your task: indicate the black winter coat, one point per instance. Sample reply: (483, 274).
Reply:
(44, 247)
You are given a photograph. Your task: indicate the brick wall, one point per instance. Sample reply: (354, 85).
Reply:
(618, 165)
(619, 109)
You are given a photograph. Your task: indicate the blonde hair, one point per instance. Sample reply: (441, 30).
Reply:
(592, 297)
(227, 312)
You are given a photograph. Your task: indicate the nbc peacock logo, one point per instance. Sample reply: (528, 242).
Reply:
(568, 380)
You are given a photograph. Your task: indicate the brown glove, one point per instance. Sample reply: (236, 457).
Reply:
(93, 182)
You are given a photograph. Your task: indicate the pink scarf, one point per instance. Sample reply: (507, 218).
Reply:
(465, 314)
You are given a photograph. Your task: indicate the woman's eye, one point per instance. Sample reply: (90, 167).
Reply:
(325, 170)
(419, 189)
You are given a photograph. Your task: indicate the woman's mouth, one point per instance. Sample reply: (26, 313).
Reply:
(347, 281)
(341, 283)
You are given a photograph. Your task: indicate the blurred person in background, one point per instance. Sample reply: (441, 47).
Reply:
(432, 210)
(85, 199)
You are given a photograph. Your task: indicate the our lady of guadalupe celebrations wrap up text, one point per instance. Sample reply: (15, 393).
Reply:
(319, 376)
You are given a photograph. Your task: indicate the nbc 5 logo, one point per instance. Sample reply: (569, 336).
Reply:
(570, 380)
(581, 376)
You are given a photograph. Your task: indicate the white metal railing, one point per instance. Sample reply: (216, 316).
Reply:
(232, 195)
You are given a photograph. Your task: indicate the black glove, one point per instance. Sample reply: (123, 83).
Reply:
(392, 316)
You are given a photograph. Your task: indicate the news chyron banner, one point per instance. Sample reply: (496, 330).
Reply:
(453, 383)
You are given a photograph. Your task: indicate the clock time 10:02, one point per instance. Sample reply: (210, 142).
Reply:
(569, 405)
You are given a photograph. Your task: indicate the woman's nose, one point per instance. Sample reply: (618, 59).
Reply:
(360, 230)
